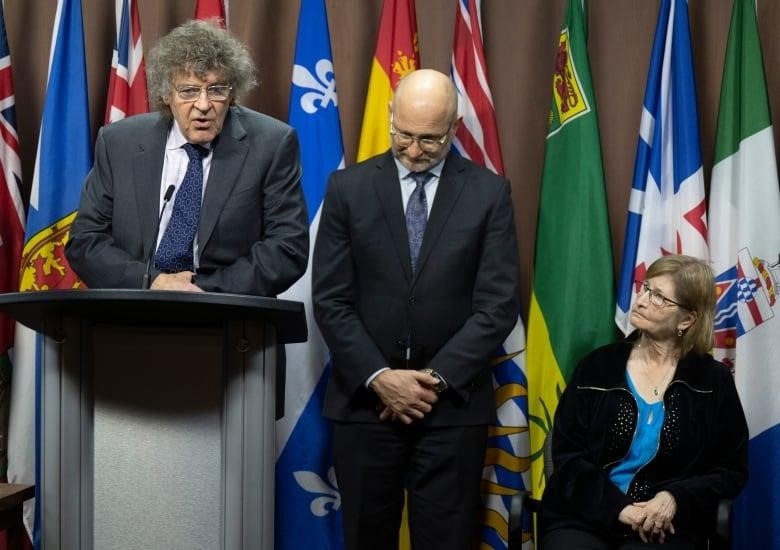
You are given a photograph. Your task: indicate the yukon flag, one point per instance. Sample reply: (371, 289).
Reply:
(397, 54)
(573, 283)
(507, 456)
(64, 157)
(308, 504)
(209, 9)
(127, 85)
(745, 249)
(11, 228)
(666, 212)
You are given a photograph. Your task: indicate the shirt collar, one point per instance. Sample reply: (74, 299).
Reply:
(176, 139)
(403, 171)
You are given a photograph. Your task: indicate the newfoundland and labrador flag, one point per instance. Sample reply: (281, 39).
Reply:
(63, 160)
(507, 457)
(308, 504)
(667, 211)
(745, 250)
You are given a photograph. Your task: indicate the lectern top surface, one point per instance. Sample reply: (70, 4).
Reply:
(152, 307)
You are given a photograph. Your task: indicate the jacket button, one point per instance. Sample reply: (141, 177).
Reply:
(412, 300)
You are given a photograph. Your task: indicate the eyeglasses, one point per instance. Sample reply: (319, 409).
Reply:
(656, 298)
(429, 144)
(215, 92)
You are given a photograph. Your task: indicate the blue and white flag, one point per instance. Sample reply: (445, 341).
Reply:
(64, 157)
(667, 213)
(308, 504)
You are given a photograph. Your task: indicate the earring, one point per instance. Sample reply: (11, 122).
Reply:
(679, 333)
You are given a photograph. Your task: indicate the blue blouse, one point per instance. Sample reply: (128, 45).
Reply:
(645, 443)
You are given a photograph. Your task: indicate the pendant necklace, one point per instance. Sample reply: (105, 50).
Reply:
(655, 386)
(656, 392)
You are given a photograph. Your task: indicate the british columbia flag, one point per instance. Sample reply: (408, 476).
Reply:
(477, 139)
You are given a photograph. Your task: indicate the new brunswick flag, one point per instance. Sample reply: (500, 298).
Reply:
(573, 292)
(397, 53)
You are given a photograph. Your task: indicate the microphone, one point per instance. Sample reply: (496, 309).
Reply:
(166, 199)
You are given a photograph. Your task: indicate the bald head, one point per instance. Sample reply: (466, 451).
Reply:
(427, 89)
(424, 114)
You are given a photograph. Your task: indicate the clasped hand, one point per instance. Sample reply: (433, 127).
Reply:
(651, 520)
(405, 395)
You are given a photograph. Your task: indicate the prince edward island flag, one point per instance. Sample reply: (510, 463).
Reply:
(308, 505)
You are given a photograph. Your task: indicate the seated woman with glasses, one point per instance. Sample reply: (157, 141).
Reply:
(649, 434)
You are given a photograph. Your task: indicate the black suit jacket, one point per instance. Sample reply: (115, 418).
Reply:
(253, 234)
(452, 314)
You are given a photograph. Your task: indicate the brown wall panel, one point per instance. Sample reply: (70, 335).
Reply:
(520, 40)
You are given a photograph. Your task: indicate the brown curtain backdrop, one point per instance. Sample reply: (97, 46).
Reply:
(520, 41)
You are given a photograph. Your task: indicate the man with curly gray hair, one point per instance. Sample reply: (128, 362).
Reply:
(221, 181)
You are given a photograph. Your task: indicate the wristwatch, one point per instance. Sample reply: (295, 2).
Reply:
(441, 385)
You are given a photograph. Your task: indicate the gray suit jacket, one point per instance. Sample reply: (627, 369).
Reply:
(452, 314)
(253, 234)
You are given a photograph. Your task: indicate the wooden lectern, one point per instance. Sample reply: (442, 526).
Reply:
(157, 416)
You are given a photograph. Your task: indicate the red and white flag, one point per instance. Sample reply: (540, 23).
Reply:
(209, 9)
(477, 136)
(11, 228)
(127, 93)
(506, 461)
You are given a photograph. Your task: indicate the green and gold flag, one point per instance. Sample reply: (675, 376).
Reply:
(572, 301)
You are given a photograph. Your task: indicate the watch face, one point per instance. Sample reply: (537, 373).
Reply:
(441, 385)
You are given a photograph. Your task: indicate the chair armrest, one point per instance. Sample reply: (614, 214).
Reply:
(723, 520)
(521, 501)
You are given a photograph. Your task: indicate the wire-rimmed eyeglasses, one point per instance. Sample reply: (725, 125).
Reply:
(215, 92)
(656, 298)
(429, 144)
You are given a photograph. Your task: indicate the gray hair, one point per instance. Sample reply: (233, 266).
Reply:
(198, 47)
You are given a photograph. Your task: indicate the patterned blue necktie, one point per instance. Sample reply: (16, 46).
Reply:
(175, 251)
(417, 215)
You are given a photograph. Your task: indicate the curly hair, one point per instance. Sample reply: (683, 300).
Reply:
(198, 47)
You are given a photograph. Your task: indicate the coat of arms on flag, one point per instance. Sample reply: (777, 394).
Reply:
(747, 294)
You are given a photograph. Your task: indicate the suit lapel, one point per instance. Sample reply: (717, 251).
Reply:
(389, 192)
(229, 153)
(146, 175)
(450, 186)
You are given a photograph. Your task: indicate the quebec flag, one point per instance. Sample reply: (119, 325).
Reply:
(667, 213)
(308, 503)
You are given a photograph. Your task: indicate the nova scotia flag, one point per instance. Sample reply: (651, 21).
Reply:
(667, 211)
(308, 504)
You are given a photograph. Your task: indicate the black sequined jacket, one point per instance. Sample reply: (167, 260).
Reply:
(702, 455)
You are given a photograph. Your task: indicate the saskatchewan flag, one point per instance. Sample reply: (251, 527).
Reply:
(572, 301)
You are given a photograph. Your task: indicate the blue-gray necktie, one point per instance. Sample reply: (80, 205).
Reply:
(417, 215)
(175, 251)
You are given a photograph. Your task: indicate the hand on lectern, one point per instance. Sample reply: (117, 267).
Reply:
(176, 281)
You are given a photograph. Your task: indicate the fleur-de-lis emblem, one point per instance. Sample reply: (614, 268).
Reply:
(330, 501)
(323, 85)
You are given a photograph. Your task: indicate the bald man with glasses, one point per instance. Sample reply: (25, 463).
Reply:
(414, 289)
